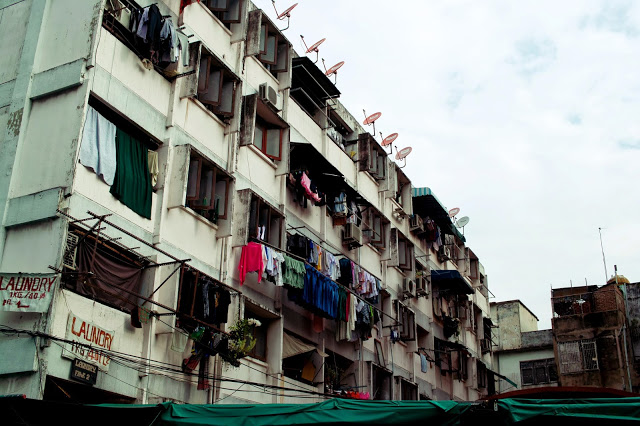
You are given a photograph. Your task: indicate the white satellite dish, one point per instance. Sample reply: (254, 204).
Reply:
(460, 223)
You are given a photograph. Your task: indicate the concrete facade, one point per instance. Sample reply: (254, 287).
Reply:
(62, 57)
(523, 354)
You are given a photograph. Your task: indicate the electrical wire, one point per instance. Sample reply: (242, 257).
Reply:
(162, 366)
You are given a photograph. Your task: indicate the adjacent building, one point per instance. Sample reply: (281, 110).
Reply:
(190, 214)
(522, 353)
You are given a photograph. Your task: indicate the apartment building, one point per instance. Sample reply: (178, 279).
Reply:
(190, 214)
(592, 341)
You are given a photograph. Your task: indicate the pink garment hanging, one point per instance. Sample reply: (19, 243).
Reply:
(251, 260)
(306, 184)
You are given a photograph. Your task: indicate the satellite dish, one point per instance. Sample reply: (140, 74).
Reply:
(314, 46)
(454, 211)
(334, 69)
(287, 12)
(402, 154)
(372, 118)
(460, 223)
(389, 139)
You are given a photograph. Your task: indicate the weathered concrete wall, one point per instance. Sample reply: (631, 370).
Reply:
(536, 339)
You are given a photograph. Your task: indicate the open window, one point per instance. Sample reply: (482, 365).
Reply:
(195, 288)
(407, 322)
(372, 157)
(227, 11)
(402, 251)
(408, 389)
(263, 127)
(216, 85)
(256, 219)
(207, 188)
(198, 183)
(403, 193)
(268, 44)
(376, 229)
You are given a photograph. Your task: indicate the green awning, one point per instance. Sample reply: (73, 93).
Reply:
(334, 411)
(425, 203)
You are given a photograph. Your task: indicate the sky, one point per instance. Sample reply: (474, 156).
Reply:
(525, 115)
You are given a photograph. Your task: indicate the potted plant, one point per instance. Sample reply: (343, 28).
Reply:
(241, 340)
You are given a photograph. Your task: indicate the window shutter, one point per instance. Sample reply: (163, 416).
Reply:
(393, 248)
(248, 120)
(271, 44)
(363, 151)
(217, 5)
(241, 217)
(177, 186)
(213, 93)
(282, 58)
(254, 27)
(233, 14)
(227, 98)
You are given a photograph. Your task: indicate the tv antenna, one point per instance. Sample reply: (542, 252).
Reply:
(371, 119)
(402, 155)
(285, 14)
(388, 141)
(333, 70)
(313, 48)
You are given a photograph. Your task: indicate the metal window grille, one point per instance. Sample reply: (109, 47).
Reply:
(589, 354)
(570, 360)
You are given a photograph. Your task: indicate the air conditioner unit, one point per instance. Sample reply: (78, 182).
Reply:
(408, 288)
(70, 250)
(421, 287)
(268, 94)
(416, 224)
(352, 235)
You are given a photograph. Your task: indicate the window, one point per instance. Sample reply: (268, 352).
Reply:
(274, 49)
(373, 157)
(408, 390)
(227, 11)
(402, 252)
(265, 222)
(538, 372)
(207, 189)
(261, 126)
(268, 139)
(195, 288)
(442, 355)
(302, 361)
(376, 228)
(407, 320)
(482, 374)
(577, 356)
(216, 86)
(405, 254)
(259, 351)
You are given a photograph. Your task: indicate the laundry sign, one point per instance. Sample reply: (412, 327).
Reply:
(26, 292)
(90, 342)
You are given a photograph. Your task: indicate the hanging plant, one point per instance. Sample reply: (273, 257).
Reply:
(241, 340)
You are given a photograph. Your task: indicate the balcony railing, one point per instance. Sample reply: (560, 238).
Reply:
(586, 303)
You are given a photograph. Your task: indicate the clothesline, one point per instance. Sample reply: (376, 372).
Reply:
(340, 285)
(326, 243)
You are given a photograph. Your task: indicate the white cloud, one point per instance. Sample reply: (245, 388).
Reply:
(523, 114)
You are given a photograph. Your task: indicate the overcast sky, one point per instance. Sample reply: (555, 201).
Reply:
(524, 114)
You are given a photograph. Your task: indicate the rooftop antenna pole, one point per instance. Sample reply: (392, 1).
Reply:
(606, 276)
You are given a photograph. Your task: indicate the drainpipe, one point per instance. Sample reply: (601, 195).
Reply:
(624, 327)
